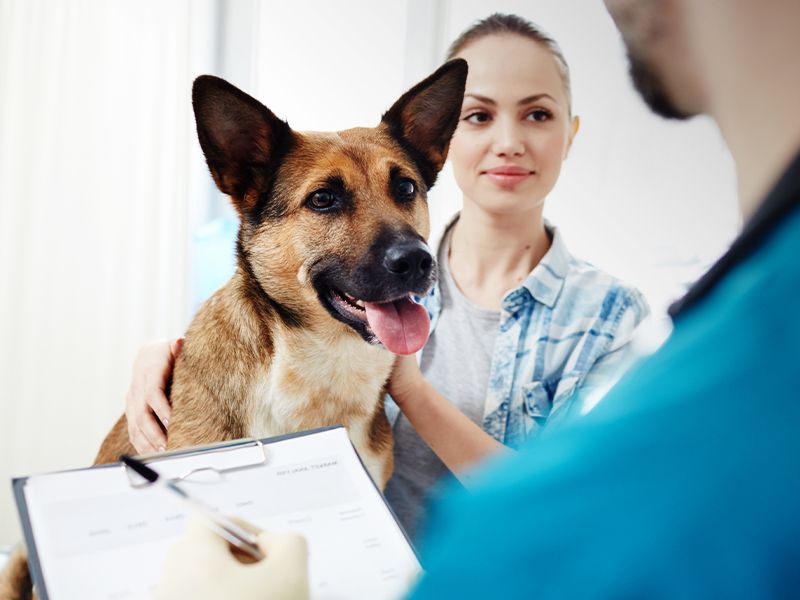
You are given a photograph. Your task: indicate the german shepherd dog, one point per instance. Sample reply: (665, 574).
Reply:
(331, 249)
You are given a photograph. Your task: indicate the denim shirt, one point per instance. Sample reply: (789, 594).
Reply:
(564, 330)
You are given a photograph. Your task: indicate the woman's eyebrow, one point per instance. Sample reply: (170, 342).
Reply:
(479, 98)
(526, 100)
(535, 98)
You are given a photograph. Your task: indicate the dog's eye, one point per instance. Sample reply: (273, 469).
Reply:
(406, 190)
(321, 200)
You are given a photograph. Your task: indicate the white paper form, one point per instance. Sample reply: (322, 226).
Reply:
(99, 538)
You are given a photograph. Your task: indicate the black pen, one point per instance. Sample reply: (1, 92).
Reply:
(226, 528)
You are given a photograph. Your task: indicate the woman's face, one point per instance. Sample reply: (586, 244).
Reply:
(515, 128)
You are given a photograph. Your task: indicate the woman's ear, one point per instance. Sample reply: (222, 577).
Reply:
(574, 126)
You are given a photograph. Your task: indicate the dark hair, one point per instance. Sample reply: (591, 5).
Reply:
(505, 24)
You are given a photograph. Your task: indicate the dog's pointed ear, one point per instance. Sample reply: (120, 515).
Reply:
(242, 140)
(424, 118)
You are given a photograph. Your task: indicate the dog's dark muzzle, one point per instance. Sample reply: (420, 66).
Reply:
(397, 264)
(377, 291)
(410, 263)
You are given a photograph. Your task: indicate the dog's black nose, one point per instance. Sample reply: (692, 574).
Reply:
(409, 260)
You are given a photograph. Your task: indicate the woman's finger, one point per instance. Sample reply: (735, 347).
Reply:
(159, 404)
(152, 432)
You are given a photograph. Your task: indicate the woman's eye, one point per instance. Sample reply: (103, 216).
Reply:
(321, 200)
(540, 115)
(477, 117)
(406, 190)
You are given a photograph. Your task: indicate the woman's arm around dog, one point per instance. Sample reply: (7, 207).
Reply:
(457, 441)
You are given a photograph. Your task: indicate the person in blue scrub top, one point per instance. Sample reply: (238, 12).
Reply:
(683, 481)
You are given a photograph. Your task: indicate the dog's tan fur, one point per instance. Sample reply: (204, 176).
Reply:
(263, 356)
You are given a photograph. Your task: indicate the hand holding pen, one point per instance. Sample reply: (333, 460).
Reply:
(203, 564)
(238, 536)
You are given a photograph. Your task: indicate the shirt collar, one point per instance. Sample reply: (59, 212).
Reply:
(783, 198)
(545, 281)
(547, 278)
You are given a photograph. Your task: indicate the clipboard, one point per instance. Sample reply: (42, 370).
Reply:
(82, 519)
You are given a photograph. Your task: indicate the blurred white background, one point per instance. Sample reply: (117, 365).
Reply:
(109, 223)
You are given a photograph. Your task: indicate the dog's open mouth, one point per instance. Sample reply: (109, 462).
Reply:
(401, 325)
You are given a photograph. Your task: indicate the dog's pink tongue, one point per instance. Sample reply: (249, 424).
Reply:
(402, 326)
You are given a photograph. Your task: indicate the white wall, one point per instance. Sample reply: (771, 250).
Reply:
(101, 181)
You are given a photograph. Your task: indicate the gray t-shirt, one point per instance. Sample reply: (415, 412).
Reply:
(456, 361)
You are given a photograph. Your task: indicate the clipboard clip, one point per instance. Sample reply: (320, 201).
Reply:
(216, 460)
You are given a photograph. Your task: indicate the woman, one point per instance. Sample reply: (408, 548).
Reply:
(519, 325)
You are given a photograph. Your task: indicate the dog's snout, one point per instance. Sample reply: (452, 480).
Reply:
(409, 260)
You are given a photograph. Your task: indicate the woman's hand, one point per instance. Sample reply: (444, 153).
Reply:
(406, 381)
(146, 406)
(201, 567)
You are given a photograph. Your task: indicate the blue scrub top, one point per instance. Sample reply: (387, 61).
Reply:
(684, 482)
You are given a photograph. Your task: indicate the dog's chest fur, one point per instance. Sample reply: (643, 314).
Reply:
(313, 381)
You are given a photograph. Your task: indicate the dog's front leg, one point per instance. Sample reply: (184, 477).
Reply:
(375, 445)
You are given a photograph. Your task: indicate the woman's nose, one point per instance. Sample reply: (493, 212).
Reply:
(508, 139)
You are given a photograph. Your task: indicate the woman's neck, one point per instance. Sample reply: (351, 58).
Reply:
(491, 254)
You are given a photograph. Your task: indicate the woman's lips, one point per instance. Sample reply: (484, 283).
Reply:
(508, 176)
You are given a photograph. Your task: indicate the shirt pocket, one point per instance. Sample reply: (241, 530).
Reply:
(537, 403)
